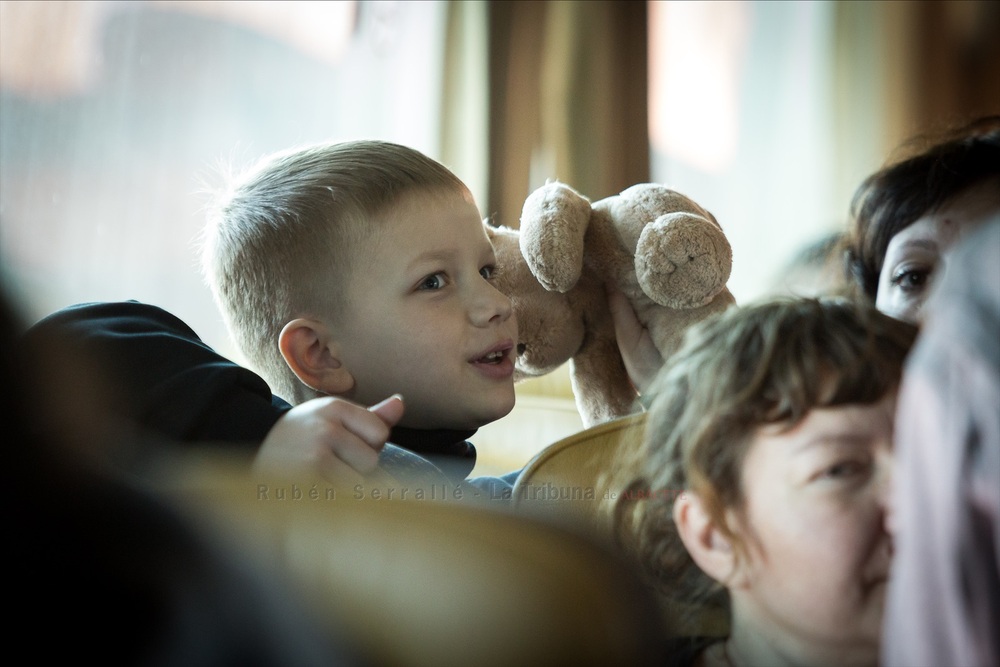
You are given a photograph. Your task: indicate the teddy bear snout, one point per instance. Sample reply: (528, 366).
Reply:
(682, 260)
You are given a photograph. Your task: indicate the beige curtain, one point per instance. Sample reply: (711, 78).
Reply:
(955, 48)
(567, 98)
(915, 66)
(903, 69)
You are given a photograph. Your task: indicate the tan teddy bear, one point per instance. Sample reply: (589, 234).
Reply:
(668, 255)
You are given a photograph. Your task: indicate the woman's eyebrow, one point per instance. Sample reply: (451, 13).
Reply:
(922, 243)
(833, 438)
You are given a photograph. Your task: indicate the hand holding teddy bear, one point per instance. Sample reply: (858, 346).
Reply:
(654, 256)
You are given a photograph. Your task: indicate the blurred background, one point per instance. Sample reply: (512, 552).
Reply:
(116, 116)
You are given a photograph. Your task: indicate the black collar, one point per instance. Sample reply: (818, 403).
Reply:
(448, 449)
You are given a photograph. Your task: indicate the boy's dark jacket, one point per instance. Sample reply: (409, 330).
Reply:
(175, 385)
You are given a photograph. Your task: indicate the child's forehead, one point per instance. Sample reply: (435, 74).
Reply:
(431, 199)
(420, 220)
(428, 209)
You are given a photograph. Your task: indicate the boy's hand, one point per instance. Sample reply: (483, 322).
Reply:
(642, 360)
(330, 437)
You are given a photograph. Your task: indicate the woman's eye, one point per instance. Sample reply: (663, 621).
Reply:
(911, 280)
(487, 271)
(433, 282)
(844, 470)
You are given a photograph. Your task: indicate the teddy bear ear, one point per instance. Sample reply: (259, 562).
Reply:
(554, 220)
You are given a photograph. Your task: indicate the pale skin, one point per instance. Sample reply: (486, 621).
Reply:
(335, 439)
(423, 321)
(917, 253)
(809, 587)
(642, 360)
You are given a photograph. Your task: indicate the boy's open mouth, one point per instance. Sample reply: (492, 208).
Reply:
(493, 357)
(498, 361)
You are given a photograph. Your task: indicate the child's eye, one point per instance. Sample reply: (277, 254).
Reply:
(487, 271)
(434, 281)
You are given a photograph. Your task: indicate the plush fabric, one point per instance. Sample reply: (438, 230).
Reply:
(664, 252)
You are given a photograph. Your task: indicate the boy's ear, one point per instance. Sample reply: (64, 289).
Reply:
(707, 544)
(309, 350)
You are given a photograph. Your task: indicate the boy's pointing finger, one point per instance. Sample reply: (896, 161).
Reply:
(390, 410)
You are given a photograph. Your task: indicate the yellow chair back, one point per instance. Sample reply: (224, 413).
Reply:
(581, 477)
(429, 579)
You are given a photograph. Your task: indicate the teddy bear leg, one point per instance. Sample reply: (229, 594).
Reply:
(601, 385)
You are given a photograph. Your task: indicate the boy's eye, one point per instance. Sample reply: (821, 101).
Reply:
(487, 271)
(432, 282)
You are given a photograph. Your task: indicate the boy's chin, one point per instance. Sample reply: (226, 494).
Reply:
(471, 419)
(489, 414)
(503, 409)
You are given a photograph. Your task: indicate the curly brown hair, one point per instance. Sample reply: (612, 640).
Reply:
(766, 363)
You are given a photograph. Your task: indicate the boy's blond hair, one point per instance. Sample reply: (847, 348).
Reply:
(285, 237)
(768, 363)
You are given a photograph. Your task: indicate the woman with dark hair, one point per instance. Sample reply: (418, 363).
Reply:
(907, 216)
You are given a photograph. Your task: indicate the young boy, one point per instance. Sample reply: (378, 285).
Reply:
(350, 275)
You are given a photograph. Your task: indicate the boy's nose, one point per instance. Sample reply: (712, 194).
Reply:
(491, 305)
